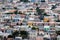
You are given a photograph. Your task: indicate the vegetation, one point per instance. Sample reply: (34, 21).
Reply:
(9, 13)
(45, 14)
(24, 34)
(24, 0)
(53, 7)
(4, 8)
(58, 32)
(35, 28)
(29, 26)
(39, 11)
(10, 36)
(16, 12)
(15, 7)
(16, 33)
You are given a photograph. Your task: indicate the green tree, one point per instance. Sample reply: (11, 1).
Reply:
(45, 14)
(58, 32)
(24, 0)
(9, 13)
(33, 28)
(4, 8)
(29, 27)
(39, 11)
(20, 12)
(24, 34)
(16, 12)
(53, 7)
(16, 33)
(15, 7)
(10, 36)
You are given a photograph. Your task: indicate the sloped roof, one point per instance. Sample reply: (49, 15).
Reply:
(44, 5)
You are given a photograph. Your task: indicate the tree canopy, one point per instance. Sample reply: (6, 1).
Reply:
(24, 34)
(39, 11)
(16, 33)
(24, 0)
(53, 7)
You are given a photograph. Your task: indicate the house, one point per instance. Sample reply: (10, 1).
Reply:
(39, 38)
(44, 5)
(32, 33)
